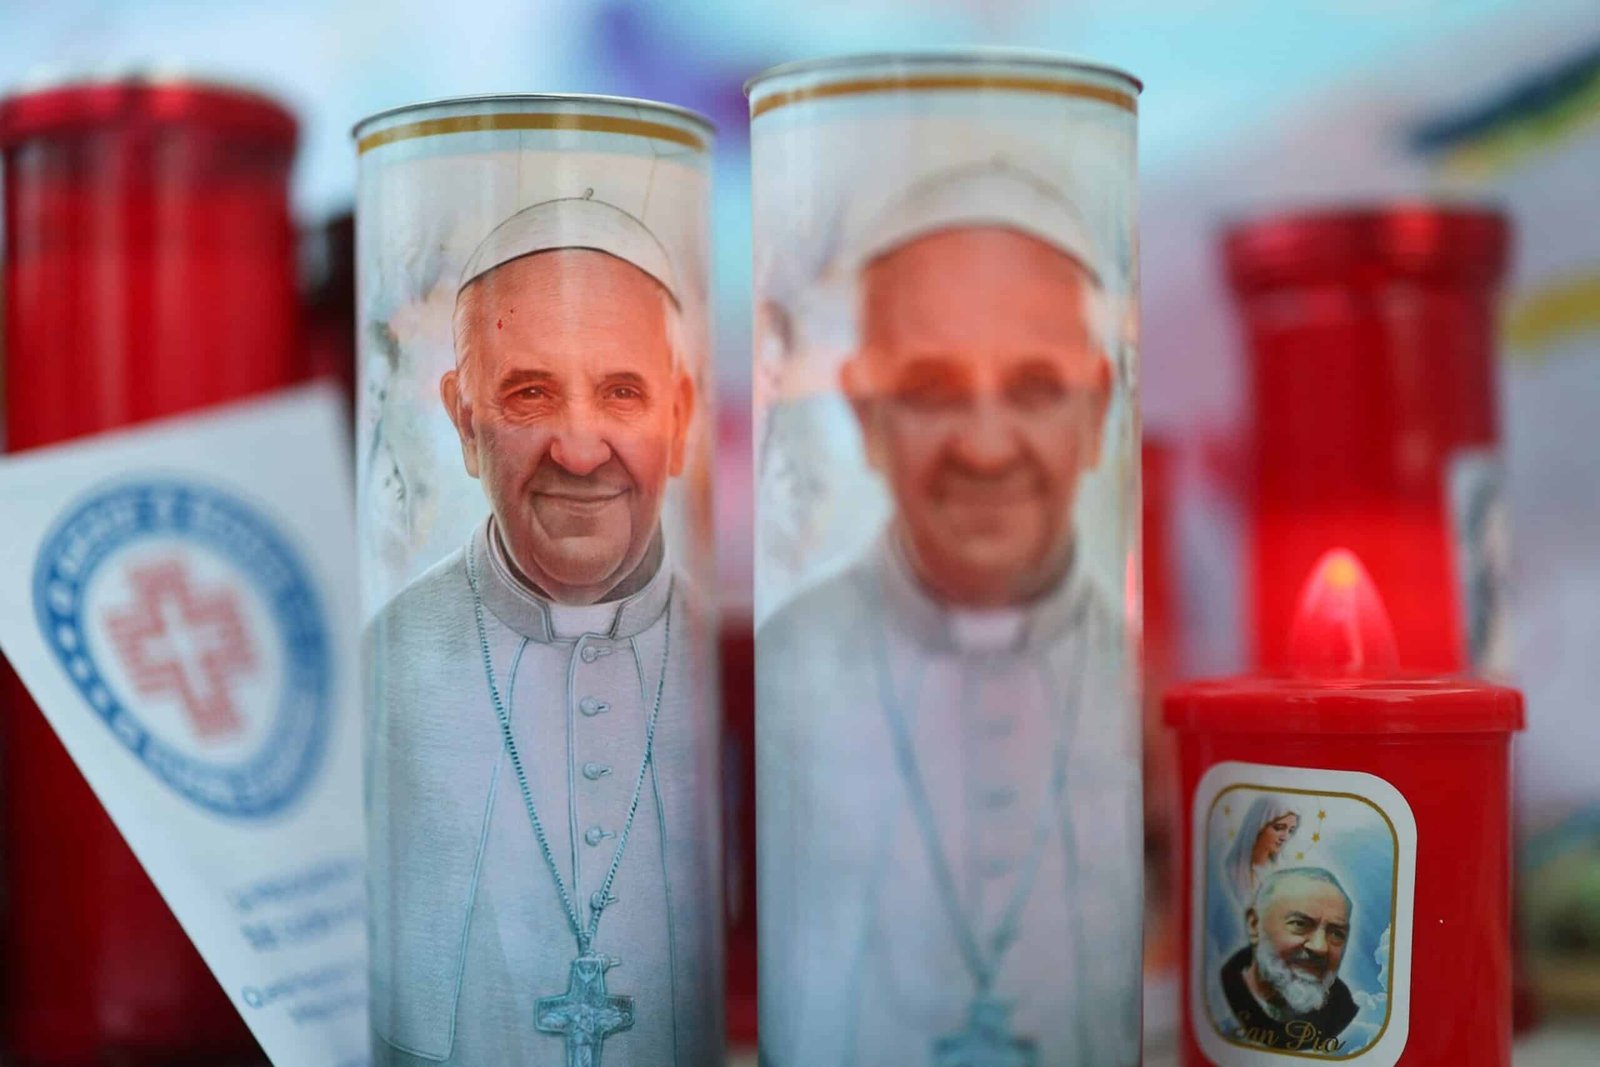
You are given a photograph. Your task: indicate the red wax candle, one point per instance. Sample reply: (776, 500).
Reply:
(1161, 949)
(328, 304)
(1346, 851)
(738, 664)
(149, 270)
(1370, 335)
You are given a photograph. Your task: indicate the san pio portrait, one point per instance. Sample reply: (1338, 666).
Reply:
(1301, 921)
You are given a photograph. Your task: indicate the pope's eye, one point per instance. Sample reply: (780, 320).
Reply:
(1036, 390)
(931, 391)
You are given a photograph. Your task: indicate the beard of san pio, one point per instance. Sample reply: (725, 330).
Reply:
(1301, 993)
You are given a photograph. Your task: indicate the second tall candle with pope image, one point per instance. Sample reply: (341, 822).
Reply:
(947, 566)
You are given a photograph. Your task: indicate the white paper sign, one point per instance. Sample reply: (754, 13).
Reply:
(180, 601)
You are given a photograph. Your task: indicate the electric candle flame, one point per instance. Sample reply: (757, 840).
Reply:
(1341, 628)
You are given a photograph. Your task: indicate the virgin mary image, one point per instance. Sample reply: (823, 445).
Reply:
(1268, 825)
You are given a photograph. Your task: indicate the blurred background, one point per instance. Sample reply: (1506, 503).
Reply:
(1251, 107)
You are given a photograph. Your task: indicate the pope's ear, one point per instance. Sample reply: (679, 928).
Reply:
(860, 387)
(459, 409)
(683, 404)
(855, 377)
(861, 383)
(1252, 923)
(1099, 404)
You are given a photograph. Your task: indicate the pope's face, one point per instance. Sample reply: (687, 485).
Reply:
(981, 393)
(1306, 924)
(570, 412)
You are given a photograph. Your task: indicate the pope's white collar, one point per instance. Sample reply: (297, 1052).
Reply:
(986, 631)
(941, 626)
(537, 617)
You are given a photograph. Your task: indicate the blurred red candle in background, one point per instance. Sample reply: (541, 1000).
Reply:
(327, 349)
(149, 270)
(1161, 949)
(1371, 340)
(737, 659)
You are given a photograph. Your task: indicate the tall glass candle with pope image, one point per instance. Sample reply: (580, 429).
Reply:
(540, 657)
(947, 601)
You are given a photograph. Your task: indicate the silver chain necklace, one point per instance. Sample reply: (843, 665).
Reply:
(987, 1038)
(586, 1014)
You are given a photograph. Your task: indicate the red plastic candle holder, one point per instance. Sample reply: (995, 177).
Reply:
(1346, 851)
(149, 270)
(1370, 336)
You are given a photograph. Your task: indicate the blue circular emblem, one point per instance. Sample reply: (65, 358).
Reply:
(214, 618)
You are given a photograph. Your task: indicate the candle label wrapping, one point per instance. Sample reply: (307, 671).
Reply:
(1302, 886)
(946, 587)
(541, 712)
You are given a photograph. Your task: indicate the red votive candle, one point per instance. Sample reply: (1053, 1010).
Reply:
(1161, 949)
(149, 270)
(1346, 850)
(1370, 336)
(736, 658)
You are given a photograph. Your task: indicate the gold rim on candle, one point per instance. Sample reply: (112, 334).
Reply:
(550, 120)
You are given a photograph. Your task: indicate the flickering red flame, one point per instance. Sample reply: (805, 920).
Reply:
(1341, 628)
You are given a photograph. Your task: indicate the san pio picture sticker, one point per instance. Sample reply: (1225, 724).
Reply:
(1302, 887)
(192, 627)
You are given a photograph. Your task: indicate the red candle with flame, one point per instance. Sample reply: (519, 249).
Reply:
(1371, 338)
(1346, 850)
(149, 270)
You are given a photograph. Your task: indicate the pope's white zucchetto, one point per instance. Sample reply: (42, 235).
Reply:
(573, 222)
(993, 192)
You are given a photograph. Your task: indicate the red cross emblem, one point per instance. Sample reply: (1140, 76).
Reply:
(183, 642)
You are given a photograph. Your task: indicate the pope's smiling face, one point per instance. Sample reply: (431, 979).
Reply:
(981, 392)
(571, 411)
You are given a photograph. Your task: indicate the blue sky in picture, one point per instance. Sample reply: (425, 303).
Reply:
(1211, 68)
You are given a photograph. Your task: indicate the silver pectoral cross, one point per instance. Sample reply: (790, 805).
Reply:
(986, 1041)
(585, 1014)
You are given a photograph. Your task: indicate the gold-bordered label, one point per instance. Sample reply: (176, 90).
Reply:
(1302, 885)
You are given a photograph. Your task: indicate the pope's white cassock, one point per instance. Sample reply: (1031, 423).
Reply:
(468, 929)
(1021, 725)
